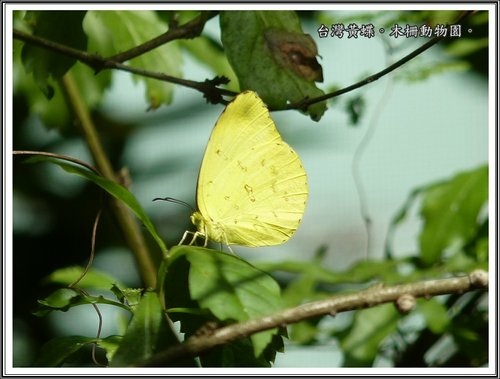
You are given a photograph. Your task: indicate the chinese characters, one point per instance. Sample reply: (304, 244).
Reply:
(354, 30)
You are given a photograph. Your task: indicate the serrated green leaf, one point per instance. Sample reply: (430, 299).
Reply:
(232, 289)
(370, 328)
(66, 298)
(112, 32)
(435, 314)
(57, 350)
(450, 212)
(248, 38)
(92, 279)
(147, 333)
(110, 344)
(129, 296)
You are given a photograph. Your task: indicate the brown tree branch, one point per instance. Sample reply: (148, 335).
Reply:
(188, 30)
(130, 228)
(209, 88)
(98, 63)
(195, 345)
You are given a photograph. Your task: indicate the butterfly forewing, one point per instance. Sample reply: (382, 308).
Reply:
(252, 188)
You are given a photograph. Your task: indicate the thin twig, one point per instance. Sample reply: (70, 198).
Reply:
(203, 87)
(99, 328)
(98, 63)
(360, 150)
(304, 104)
(128, 224)
(208, 88)
(195, 345)
(190, 29)
(93, 60)
(92, 250)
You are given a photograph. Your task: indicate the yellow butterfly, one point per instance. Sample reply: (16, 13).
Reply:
(252, 188)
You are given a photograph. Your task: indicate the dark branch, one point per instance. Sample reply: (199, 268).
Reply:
(195, 345)
(304, 104)
(188, 30)
(209, 88)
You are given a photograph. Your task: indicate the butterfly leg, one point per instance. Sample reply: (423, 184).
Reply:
(227, 244)
(195, 235)
(184, 237)
(186, 233)
(193, 239)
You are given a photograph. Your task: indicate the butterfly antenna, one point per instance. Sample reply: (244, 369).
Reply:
(173, 200)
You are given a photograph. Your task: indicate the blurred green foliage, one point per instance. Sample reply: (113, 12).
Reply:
(453, 239)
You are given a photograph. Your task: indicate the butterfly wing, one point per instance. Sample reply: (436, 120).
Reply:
(252, 188)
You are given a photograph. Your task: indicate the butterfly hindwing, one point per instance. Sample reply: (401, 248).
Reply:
(252, 188)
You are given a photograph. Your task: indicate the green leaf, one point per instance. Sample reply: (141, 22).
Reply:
(64, 27)
(419, 71)
(147, 333)
(233, 289)
(205, 287)
(205, 49)
(92, 279)
(61, 299)
(300, 290)
(57, 350)
(465, 46)
(129, 296)
(399, 217)
(66, 298)
(450, 212)
(114, 189)
(55, 113)
(470, 331)
(305, 332)
(110, 344)
(240, 353)
(112, 32)
(370, 328)
(355, 108)
(272, 56)
(435, 314)
(358, 273)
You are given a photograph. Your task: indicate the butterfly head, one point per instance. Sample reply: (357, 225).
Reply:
(208, 228)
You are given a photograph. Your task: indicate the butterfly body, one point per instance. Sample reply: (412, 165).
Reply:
(252, 188)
